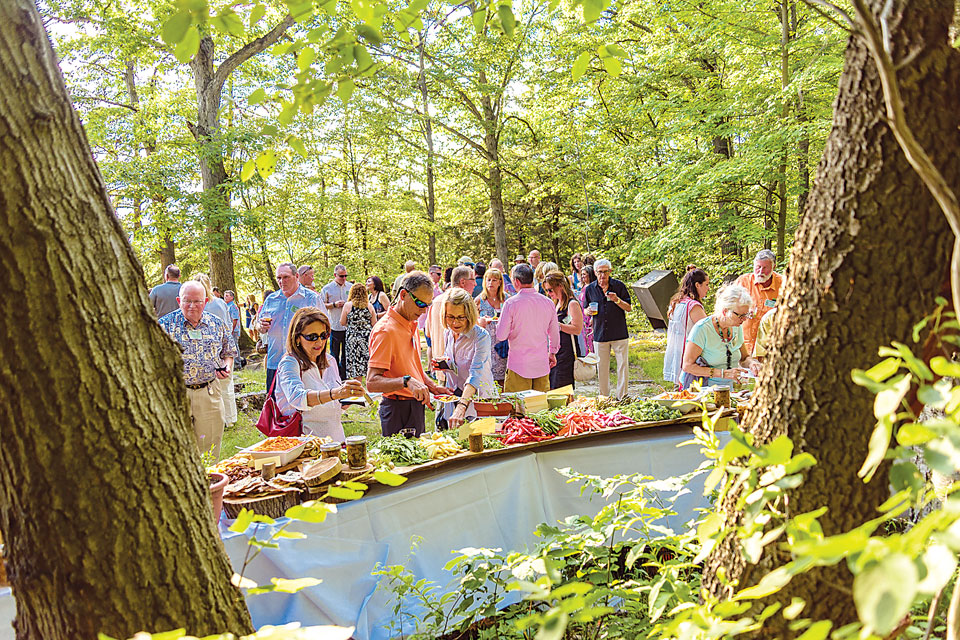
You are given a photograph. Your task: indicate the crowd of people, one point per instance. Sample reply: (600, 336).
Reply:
(486, 330)
(730, 344)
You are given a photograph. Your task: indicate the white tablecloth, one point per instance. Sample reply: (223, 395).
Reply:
(495, 503)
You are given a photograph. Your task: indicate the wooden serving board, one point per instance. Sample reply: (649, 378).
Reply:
(349, 474)
(322, 471)
(273, 506)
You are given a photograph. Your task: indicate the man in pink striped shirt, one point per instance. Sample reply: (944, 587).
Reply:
(529, 322)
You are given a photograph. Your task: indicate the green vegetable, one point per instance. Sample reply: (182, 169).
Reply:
(402, 451)
(489, 442)
(547, 421)
(648, 411)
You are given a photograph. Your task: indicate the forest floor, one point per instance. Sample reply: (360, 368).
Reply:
(646, 378)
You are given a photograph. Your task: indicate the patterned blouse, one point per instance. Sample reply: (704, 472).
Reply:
(204, 346)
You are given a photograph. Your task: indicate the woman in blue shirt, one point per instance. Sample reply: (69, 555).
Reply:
(467, 356)
(715, 350)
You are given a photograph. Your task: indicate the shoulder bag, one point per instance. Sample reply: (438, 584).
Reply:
(273, 423)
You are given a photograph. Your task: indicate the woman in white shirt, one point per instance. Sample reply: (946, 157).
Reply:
(308, 380)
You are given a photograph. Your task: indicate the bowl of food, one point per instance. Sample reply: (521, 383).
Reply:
(287, 449)
(683, 401)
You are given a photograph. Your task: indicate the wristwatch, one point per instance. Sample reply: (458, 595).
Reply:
(406, 379)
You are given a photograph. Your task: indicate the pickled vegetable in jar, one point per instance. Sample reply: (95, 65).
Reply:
(357, 451)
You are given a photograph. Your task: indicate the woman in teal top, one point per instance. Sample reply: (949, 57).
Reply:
(715, 349)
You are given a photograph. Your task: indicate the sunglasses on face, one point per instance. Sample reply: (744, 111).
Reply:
(313, 337)
(417, 301)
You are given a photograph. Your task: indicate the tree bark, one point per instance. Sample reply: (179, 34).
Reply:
(871, 253)
(782, 172)
(104, 507)
(491, 145)
(431, 157)
(168, 253)
(209, 81)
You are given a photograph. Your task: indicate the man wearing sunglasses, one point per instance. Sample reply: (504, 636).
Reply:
(764, 287)
(335, 294)
(395, 368)
(277, 312)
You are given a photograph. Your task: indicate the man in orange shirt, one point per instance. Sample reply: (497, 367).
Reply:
(395, 368)
(764, 287)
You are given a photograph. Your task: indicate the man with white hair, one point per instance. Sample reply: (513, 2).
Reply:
(208, 352)
(408, 268)
(608, 301)
(764, 288)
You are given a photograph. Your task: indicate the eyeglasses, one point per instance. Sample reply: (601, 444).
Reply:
(604, 272)
(313, 337)
(742, 316)
(417, 301)
(455, 318)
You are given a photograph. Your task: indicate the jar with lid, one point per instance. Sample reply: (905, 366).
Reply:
(357, 451)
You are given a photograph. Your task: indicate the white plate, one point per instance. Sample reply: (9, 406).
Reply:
(683, 406)
(286, 457)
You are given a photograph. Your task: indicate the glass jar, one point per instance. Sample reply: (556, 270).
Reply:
(357, 452)
(330, 450)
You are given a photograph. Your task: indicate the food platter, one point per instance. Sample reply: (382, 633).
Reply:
(682, 401)
(287, 449)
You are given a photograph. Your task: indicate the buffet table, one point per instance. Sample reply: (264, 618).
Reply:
(490, 502)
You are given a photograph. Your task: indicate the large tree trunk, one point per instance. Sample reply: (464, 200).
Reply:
(431, 157)
(168, 253)
(491, 145)
(216, 189)
(871, 252)
(103, 505)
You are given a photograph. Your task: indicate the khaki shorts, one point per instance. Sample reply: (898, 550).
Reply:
(513, 382)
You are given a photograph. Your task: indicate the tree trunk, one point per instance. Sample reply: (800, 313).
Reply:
(871, 252)
(428, 138)
(768, 215)
(803, 156)
(104, 508)
(168, 253)
(784, 83)
(216, 190)
(491, 145)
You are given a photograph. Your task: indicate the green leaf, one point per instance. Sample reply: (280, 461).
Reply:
(291, 535)
(242, 522)
(794, 608)
(306, 58)
(300, 10)
(314, 35)
(883, 592)
(357, 486)
(313, 511)
(817, 631)
(580, 65)
(883, 369)
(912, 434)
(614, 49)
(778, 452)
(554, 625)
(770, 583)
(344, 493)
(509, 24)
(389, 478)
(479, 20)
(877, 448)
(888, 401)
(363, 59)
(175, 29)
(266, 163)
(257, 96)
(943, 367)
(292, 586)
(940, 563)
(249, 167)
(799, 462)
(345, 89)
(932, 396)
(188, 47)
(297, 145)
(287, 114)
(636, 551)
(592, 10)
(257, 13)
(571, 588)
(227, 21)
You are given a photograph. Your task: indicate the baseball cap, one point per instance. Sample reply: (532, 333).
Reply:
(466, 260)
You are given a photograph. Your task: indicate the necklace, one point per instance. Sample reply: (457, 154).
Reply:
(726, 335)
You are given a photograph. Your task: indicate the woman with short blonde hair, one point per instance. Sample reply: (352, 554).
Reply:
(466, 362)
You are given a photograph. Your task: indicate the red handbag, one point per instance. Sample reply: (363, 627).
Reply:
(272, 423)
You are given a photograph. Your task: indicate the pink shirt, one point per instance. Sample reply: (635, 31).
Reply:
(529, 321)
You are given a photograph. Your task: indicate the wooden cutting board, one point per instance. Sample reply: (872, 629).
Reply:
(321, 471)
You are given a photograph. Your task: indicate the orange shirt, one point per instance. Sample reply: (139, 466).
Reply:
(395, 347)
(760, 294)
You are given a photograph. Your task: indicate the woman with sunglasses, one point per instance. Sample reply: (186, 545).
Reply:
(308, 380)
(715, 352)
(467, 361)
(570, 320)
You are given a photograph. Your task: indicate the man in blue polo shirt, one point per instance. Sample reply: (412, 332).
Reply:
(277, 312)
